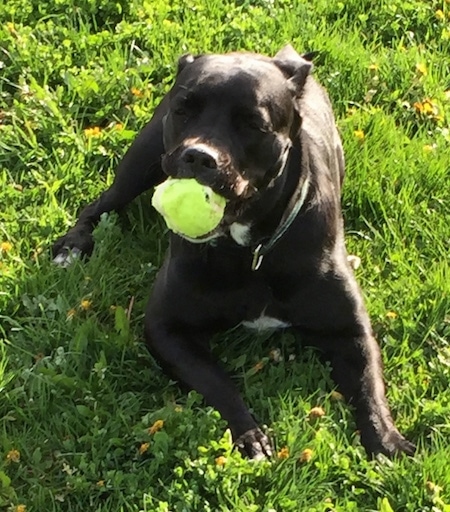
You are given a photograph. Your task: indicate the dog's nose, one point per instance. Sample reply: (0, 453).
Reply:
(198, 159)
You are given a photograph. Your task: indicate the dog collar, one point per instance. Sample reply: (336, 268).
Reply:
(296, 203)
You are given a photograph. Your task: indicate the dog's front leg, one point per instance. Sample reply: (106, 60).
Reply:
(357, 370)
(187, 358)
(139, 170)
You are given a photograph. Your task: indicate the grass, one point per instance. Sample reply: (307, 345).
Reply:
(79, 392)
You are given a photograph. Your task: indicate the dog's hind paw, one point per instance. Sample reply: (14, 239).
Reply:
(254, 444)
(392, 445)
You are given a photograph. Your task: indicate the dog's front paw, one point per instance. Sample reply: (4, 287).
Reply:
(74, 244)
(254, 444)
(391, 444)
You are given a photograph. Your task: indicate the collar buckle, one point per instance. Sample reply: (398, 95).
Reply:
(257, 257)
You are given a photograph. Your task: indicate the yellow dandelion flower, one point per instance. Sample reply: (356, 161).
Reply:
(433, 488)
(306, 455)
(440, 15)
(418, 106)
(136, 92)
(359, 134)
(283, 453)
(94, 131)
(422, 69)
(258, 366)
(392, 315)
(335, 395)
(100, 483)
(158, 425)
(428, 107)
(11, 28)
(71, 313)
(85, 304)
(5, 246)
(220, 461)
(429, 148)
(316, 412)
(373, 67)
(143, 448)
(21, 508)
(118, 127)
(13, 456)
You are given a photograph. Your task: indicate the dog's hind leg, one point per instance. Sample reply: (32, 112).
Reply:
(357, 370)
(139, 170)
(335, 320)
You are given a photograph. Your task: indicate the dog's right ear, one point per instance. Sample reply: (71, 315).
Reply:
(184, 61)
(296, 67)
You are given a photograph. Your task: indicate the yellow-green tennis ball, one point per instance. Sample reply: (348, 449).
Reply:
(189, 208)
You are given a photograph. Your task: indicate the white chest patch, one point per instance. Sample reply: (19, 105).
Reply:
(266, 323)
(240, 233)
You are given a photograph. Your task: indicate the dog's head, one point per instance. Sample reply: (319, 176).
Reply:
(232, 120)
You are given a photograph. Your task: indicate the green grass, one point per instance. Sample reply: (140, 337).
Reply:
(78, 389)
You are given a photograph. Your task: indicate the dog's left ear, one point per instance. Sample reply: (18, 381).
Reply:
(295, 66)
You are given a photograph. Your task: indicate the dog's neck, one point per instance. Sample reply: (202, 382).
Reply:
(275, 208)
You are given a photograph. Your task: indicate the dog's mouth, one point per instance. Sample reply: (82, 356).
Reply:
(231, 215)
(212, 167)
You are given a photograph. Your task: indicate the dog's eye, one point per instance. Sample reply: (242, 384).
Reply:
(186, 106)
(180, 111)
(251, 122)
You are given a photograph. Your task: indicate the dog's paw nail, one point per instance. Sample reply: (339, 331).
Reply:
(66, 257)
(259, 456)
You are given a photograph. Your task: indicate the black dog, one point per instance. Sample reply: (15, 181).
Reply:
(259, 131)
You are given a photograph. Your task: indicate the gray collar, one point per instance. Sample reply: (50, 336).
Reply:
(295, 204)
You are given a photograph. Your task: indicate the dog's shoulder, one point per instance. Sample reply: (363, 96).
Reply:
(316, 111)
(319, 134)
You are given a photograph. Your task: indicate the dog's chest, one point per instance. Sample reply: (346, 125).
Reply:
(266, 313)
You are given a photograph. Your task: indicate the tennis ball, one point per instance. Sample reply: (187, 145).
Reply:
(189, 208)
